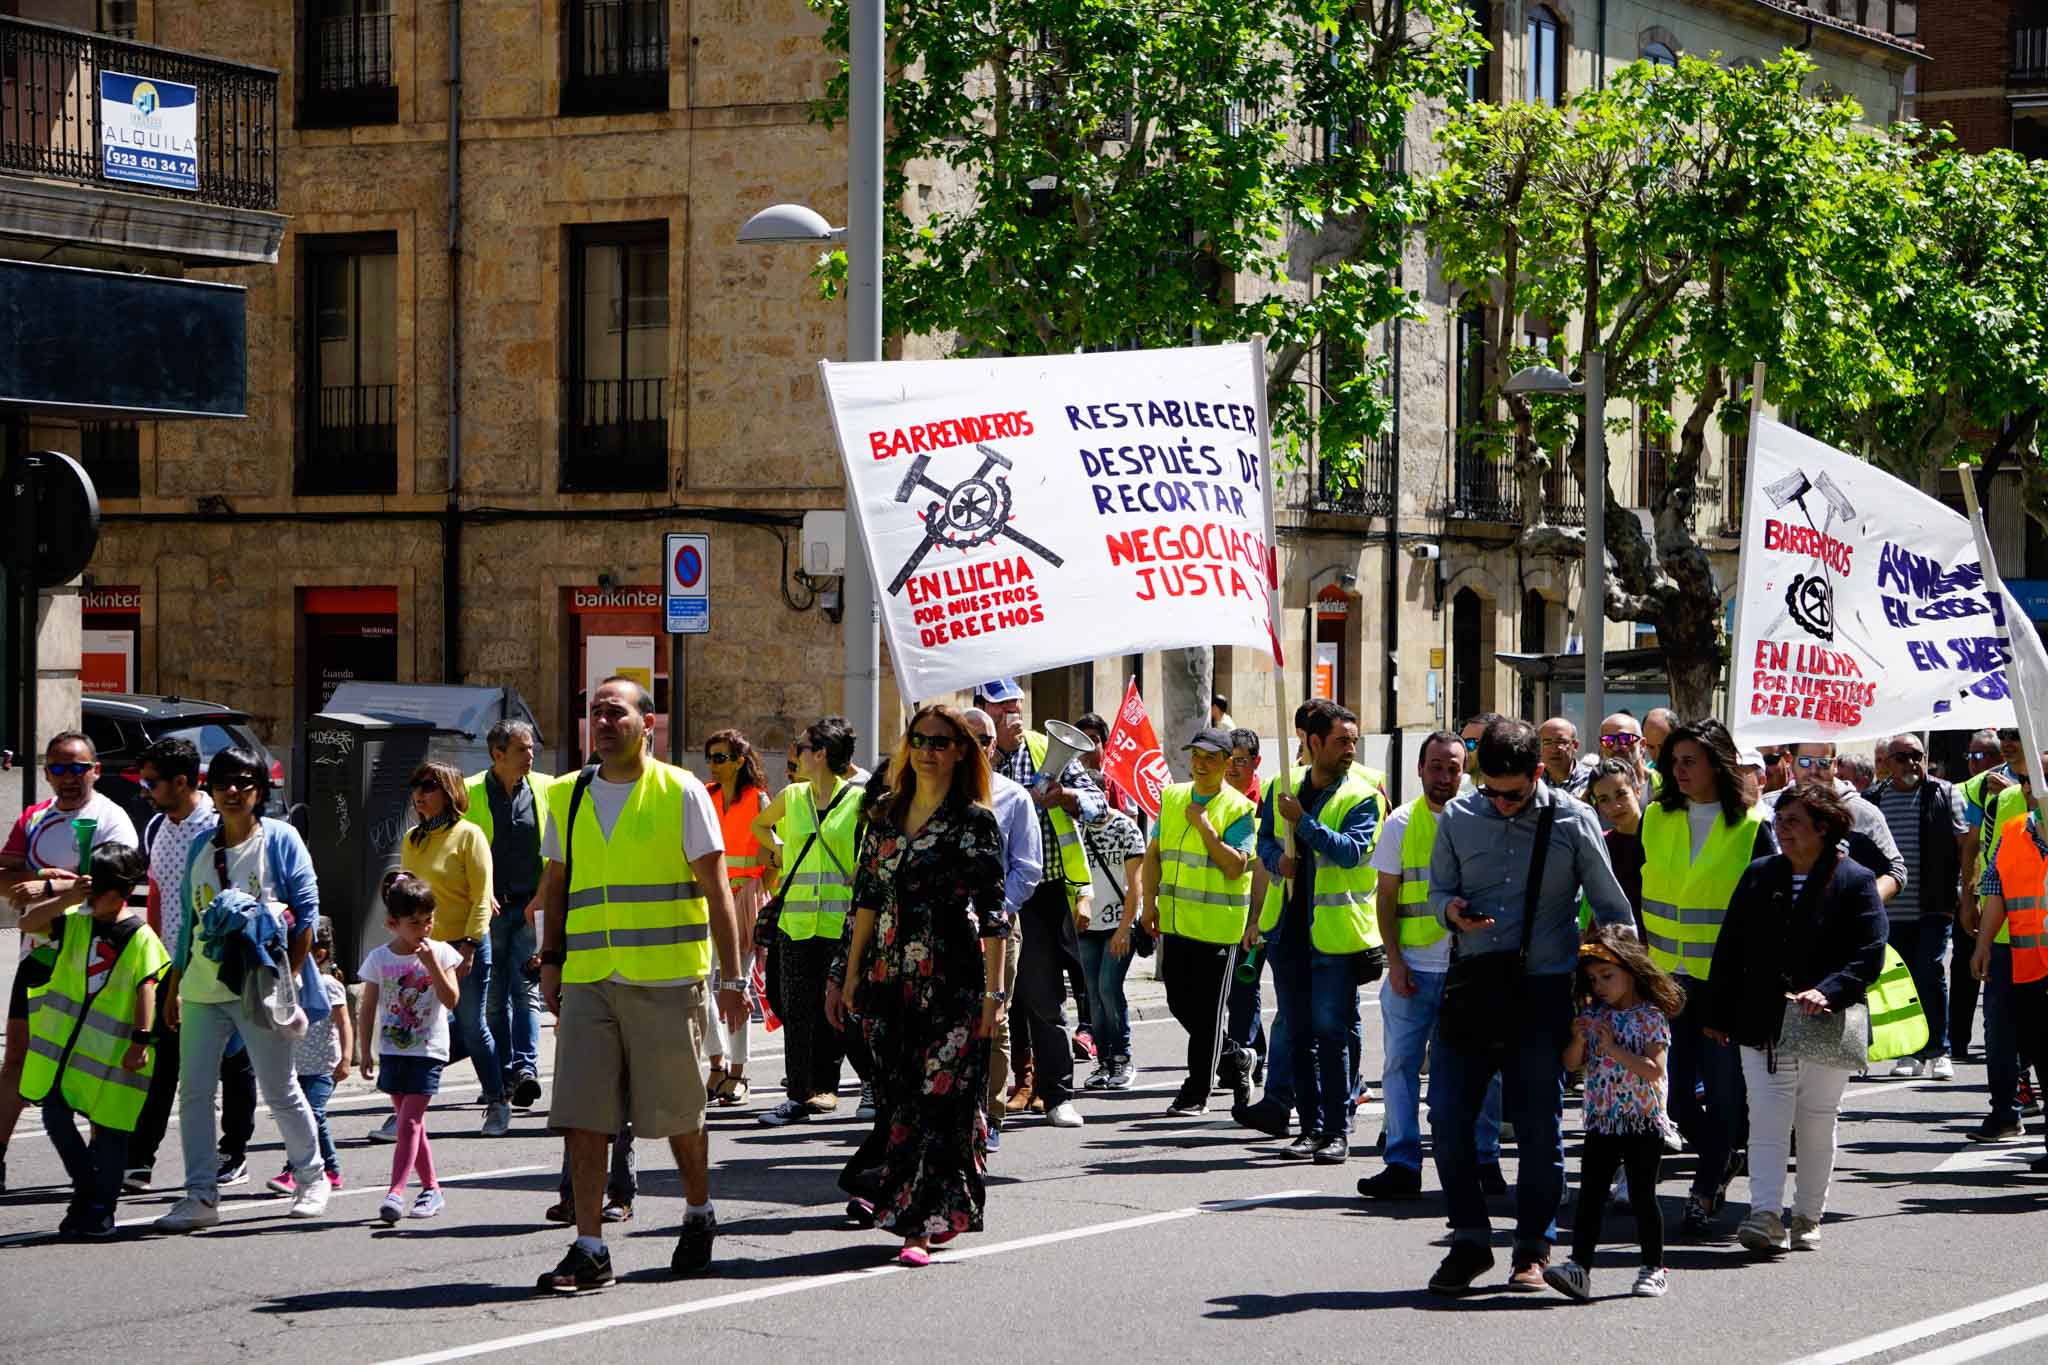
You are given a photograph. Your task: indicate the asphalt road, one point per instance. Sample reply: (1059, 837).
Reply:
(1138, 1237)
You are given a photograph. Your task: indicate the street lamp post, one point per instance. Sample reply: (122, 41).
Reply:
(1541, 379)
(863, 238)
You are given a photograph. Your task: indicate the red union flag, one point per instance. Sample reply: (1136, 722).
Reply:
(1131, 757)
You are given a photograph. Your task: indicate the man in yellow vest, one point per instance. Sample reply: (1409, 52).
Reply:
(636, 899)
(1318, 914)
(2014, 894)
(505, 801)
(1051, 951)
(1198, 884)
(92, 1032)
(1418, 956)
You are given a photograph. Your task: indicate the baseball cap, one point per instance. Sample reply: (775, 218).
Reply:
(999, 689)
(1214, 738)
(1749, 758)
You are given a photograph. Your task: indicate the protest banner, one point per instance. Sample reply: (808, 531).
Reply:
(1131, 756)
(1032, 512)
(1863, 608)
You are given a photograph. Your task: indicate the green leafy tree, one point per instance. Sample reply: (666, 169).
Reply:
(1687, 223)
(1143, 173)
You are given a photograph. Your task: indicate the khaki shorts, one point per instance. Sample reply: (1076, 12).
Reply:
(617, 1043)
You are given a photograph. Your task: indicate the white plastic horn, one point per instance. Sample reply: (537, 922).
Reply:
(1067, 744)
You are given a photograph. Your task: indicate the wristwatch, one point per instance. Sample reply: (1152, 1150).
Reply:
(1000, 997)
(554, 957)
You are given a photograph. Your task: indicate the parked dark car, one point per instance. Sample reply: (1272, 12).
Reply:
(122, 724)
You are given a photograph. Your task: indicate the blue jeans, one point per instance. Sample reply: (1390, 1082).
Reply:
(1319, 992)
(1717, 1127)
(1109, 1017)
(318, 1089)
(1923, 943)
(1531, 1076)
(471, 1035)
(2002, 1037)
(508, 1007)
(1407, 1023)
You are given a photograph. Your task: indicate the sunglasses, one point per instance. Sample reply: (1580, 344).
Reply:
(1513, 798)
(1985, 754)
(1471, 746)
(920, 740)
(1810, 762)
(719, 758)
(1620, 741)
(67, 769)
(234, 784)
(1909, 757)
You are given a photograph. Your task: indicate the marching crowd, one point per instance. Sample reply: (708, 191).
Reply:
(1702, 944)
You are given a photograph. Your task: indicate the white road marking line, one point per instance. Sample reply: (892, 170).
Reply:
(1987, 1158)
(234, 1213)
(578, 1329)
(1976, 1348)
(1878, 1344)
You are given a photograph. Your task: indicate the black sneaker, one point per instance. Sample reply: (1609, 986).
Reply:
(97, 1226)
(1269, 1119)
(1192, 1099)
(693, 1248)
(579, 1273)
(525, 1090)
(1466, 1263)
(1994, 1129)
(1491, 1181)
(1697, 1222)
(233, 1171)
(1393, 1182)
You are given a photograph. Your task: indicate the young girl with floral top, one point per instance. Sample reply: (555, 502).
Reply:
(412, 979)
(1620, 1039)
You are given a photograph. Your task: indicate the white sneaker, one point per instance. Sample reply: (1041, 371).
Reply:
(188, 1215)
(1803, 1232)
(427, 1205)
(1651, 1282)
(1908, 1068)
(392, 1209)
(387, 1133)
(1570, 1279)
(311, 1200)
(1944, 1069)
(1064, 1115)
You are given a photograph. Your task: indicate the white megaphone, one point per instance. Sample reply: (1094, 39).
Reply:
(1067, 744)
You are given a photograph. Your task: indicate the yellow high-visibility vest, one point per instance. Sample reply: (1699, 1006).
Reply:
(1195, 899)
(635, 908)
(87, 1042)
(820, 891)
(1685, 899)
(1073, 858)
(1342, 917)
(1420, 928)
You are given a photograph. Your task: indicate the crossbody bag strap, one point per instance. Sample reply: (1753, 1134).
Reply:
(817, 828)
(583, 781)
(1533, 895)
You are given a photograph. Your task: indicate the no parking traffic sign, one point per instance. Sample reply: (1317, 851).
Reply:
(686, 593)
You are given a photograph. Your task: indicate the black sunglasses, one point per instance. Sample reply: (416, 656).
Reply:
(719, 758)
(1494, 794)
(920, 740)
(239, 783)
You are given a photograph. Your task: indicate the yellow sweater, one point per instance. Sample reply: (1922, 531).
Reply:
(455, 863)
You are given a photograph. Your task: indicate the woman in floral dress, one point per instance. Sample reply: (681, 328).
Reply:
(927, 938)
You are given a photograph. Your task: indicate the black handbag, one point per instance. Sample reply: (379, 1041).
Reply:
(1482, 990)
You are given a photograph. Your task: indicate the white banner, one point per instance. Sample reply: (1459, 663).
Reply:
(1039, 511)
(1862, 606)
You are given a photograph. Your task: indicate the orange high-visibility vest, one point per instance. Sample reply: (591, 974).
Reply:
(2023, 883)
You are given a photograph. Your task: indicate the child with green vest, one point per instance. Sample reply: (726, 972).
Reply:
(91, 1032)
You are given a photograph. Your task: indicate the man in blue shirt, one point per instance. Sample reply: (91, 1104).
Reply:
(1479, 875)
(1023, 865)
(1318, 991)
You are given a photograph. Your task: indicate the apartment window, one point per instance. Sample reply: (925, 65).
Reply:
(1479, 76)
(112, 454)
(1545, 57)
(1660, 53)
(617, 56)
(348, 423)
(347, 74)
(615, 438)
(116, 18)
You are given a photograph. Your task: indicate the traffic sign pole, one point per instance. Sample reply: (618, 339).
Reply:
(685, 610)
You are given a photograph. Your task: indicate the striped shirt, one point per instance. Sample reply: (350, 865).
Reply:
(1901, 811)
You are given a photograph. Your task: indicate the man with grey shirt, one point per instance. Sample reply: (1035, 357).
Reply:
(1925, 816)
(1478, 888)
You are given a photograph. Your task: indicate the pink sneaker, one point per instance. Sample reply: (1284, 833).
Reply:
(334, 1177)
(282, 1182)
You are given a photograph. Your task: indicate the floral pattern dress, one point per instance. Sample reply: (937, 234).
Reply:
(936, 895)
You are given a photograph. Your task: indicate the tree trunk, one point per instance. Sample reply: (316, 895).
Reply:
(1190, 676)
(1691, 640)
